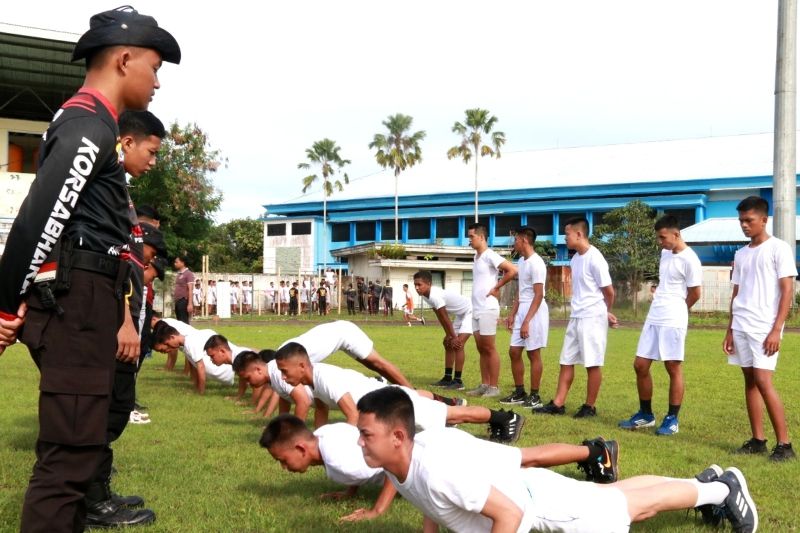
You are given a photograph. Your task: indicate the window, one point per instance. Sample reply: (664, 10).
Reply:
(276, 230)
(599, 217)
(563, 218)
(446, 228)
(503, 224)
(387, 229)
(542, 223)
(301, 228)
(365, 231)
(340, 232)
(686, 217)
(419, 228)
(470, 219)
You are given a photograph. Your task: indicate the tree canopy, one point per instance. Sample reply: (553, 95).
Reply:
(237, 246)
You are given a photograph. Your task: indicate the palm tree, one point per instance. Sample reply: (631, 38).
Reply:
(325, 153)
(398, 151)
(478, 122)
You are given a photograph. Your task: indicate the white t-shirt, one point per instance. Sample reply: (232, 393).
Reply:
(211, 295)
(676, 273)
(279, 385)
(342, 456)
(530, 272)
(193, 343)
(331, 383)
(452, 301)
(484, 278)
(449, 486)
(326, 339)
(757, 272)
(284, 294)
(197, 296)
(182, 327)
(589, 275)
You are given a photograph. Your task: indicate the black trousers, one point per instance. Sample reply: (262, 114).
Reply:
(75, 356)
(351, 307)
(182, 310)
(123, 397)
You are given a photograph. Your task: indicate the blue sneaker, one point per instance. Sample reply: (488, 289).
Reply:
(669, 426)
(638, 421)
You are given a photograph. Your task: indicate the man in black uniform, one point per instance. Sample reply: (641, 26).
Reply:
(64, 258)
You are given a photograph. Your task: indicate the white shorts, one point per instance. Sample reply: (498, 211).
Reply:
(428, 414)
(585, 341)
(661, 343)
(355, 342)
(463, 323)
(485, 322)
(560, 503)
(748, 351)
(537, 328)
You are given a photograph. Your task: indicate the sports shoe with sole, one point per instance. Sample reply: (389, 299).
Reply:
(460, 402)
(422, 319)
(512, 429)
(550, 409)
(752, 446)
(739, 506)
(491, 392)
(782, 452)
(514, 398)
(479, 390)
(532, 401)
(456, 384)
(585, 411)
(444, 382)
(669, 426)
(639, 420)
(602, 469)
(712, 515)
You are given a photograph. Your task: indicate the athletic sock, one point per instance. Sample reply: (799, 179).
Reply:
(448, 372)
(519, 389)
(444, 399)
(674, 409)
(714, 492)
(534, 392)
(646, 406)
(457, 377)
(498, 417)
(595, 450)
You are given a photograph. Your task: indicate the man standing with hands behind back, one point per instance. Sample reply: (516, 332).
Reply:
(182, 296)
(67, 241)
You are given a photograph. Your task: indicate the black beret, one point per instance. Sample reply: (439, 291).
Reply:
(152, 236)
(160, 264)
(126, 26)
(147, 211)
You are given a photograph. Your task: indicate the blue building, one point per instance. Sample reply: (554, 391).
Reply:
(696, 180)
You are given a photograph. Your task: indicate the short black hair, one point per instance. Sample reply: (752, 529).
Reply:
(390, 405)
(579, 224)
(246, 357)
(754, 203)
(162, 332)
(527, 232)
(479, 228)
(291, 350)
(424, 275)
(215, 341)
(283, 429)
(667, 222)
(141, 124)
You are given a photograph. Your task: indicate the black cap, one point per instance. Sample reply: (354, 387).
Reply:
(125, 26)
(160, 264)
(152, 236)
(147, 211)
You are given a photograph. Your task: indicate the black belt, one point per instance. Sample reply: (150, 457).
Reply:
(106, 265)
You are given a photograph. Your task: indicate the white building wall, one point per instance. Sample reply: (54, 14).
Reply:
(272, 244)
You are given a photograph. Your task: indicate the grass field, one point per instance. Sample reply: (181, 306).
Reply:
(200, 468)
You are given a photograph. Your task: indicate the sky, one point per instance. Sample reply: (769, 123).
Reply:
(266, 80)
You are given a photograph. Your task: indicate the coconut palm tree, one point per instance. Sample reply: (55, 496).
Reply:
(325, 154)
(479, 123)
(397, 150)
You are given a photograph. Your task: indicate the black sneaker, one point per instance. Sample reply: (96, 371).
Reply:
(753, 446)
(585, 411)
(514, 398)
(444, 382)
(602, 469)
(782, 452)
(455, 384)
(712, 515)
(739, 506)
(532, 401)
(495, 432)
(512, 429)
(550, 409)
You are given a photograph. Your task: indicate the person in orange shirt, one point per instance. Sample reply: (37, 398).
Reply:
(408, 308)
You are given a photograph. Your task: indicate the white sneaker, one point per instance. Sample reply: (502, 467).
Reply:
(139, 418)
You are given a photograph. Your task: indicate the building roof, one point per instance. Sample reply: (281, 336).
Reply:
(722, 230)
(36, 74)
(649, 162)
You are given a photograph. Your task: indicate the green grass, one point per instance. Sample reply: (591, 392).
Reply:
(200, 468)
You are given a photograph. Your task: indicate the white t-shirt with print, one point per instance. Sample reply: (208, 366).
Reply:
(449, 486)
(589, 275)
(757, 271)
(676, 273)
(342, 456)
(484, 278)
(530, 272)
(452, 301)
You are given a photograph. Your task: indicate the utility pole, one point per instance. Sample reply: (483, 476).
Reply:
(784, 185)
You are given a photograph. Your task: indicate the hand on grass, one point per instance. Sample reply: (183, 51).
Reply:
(360, 514)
